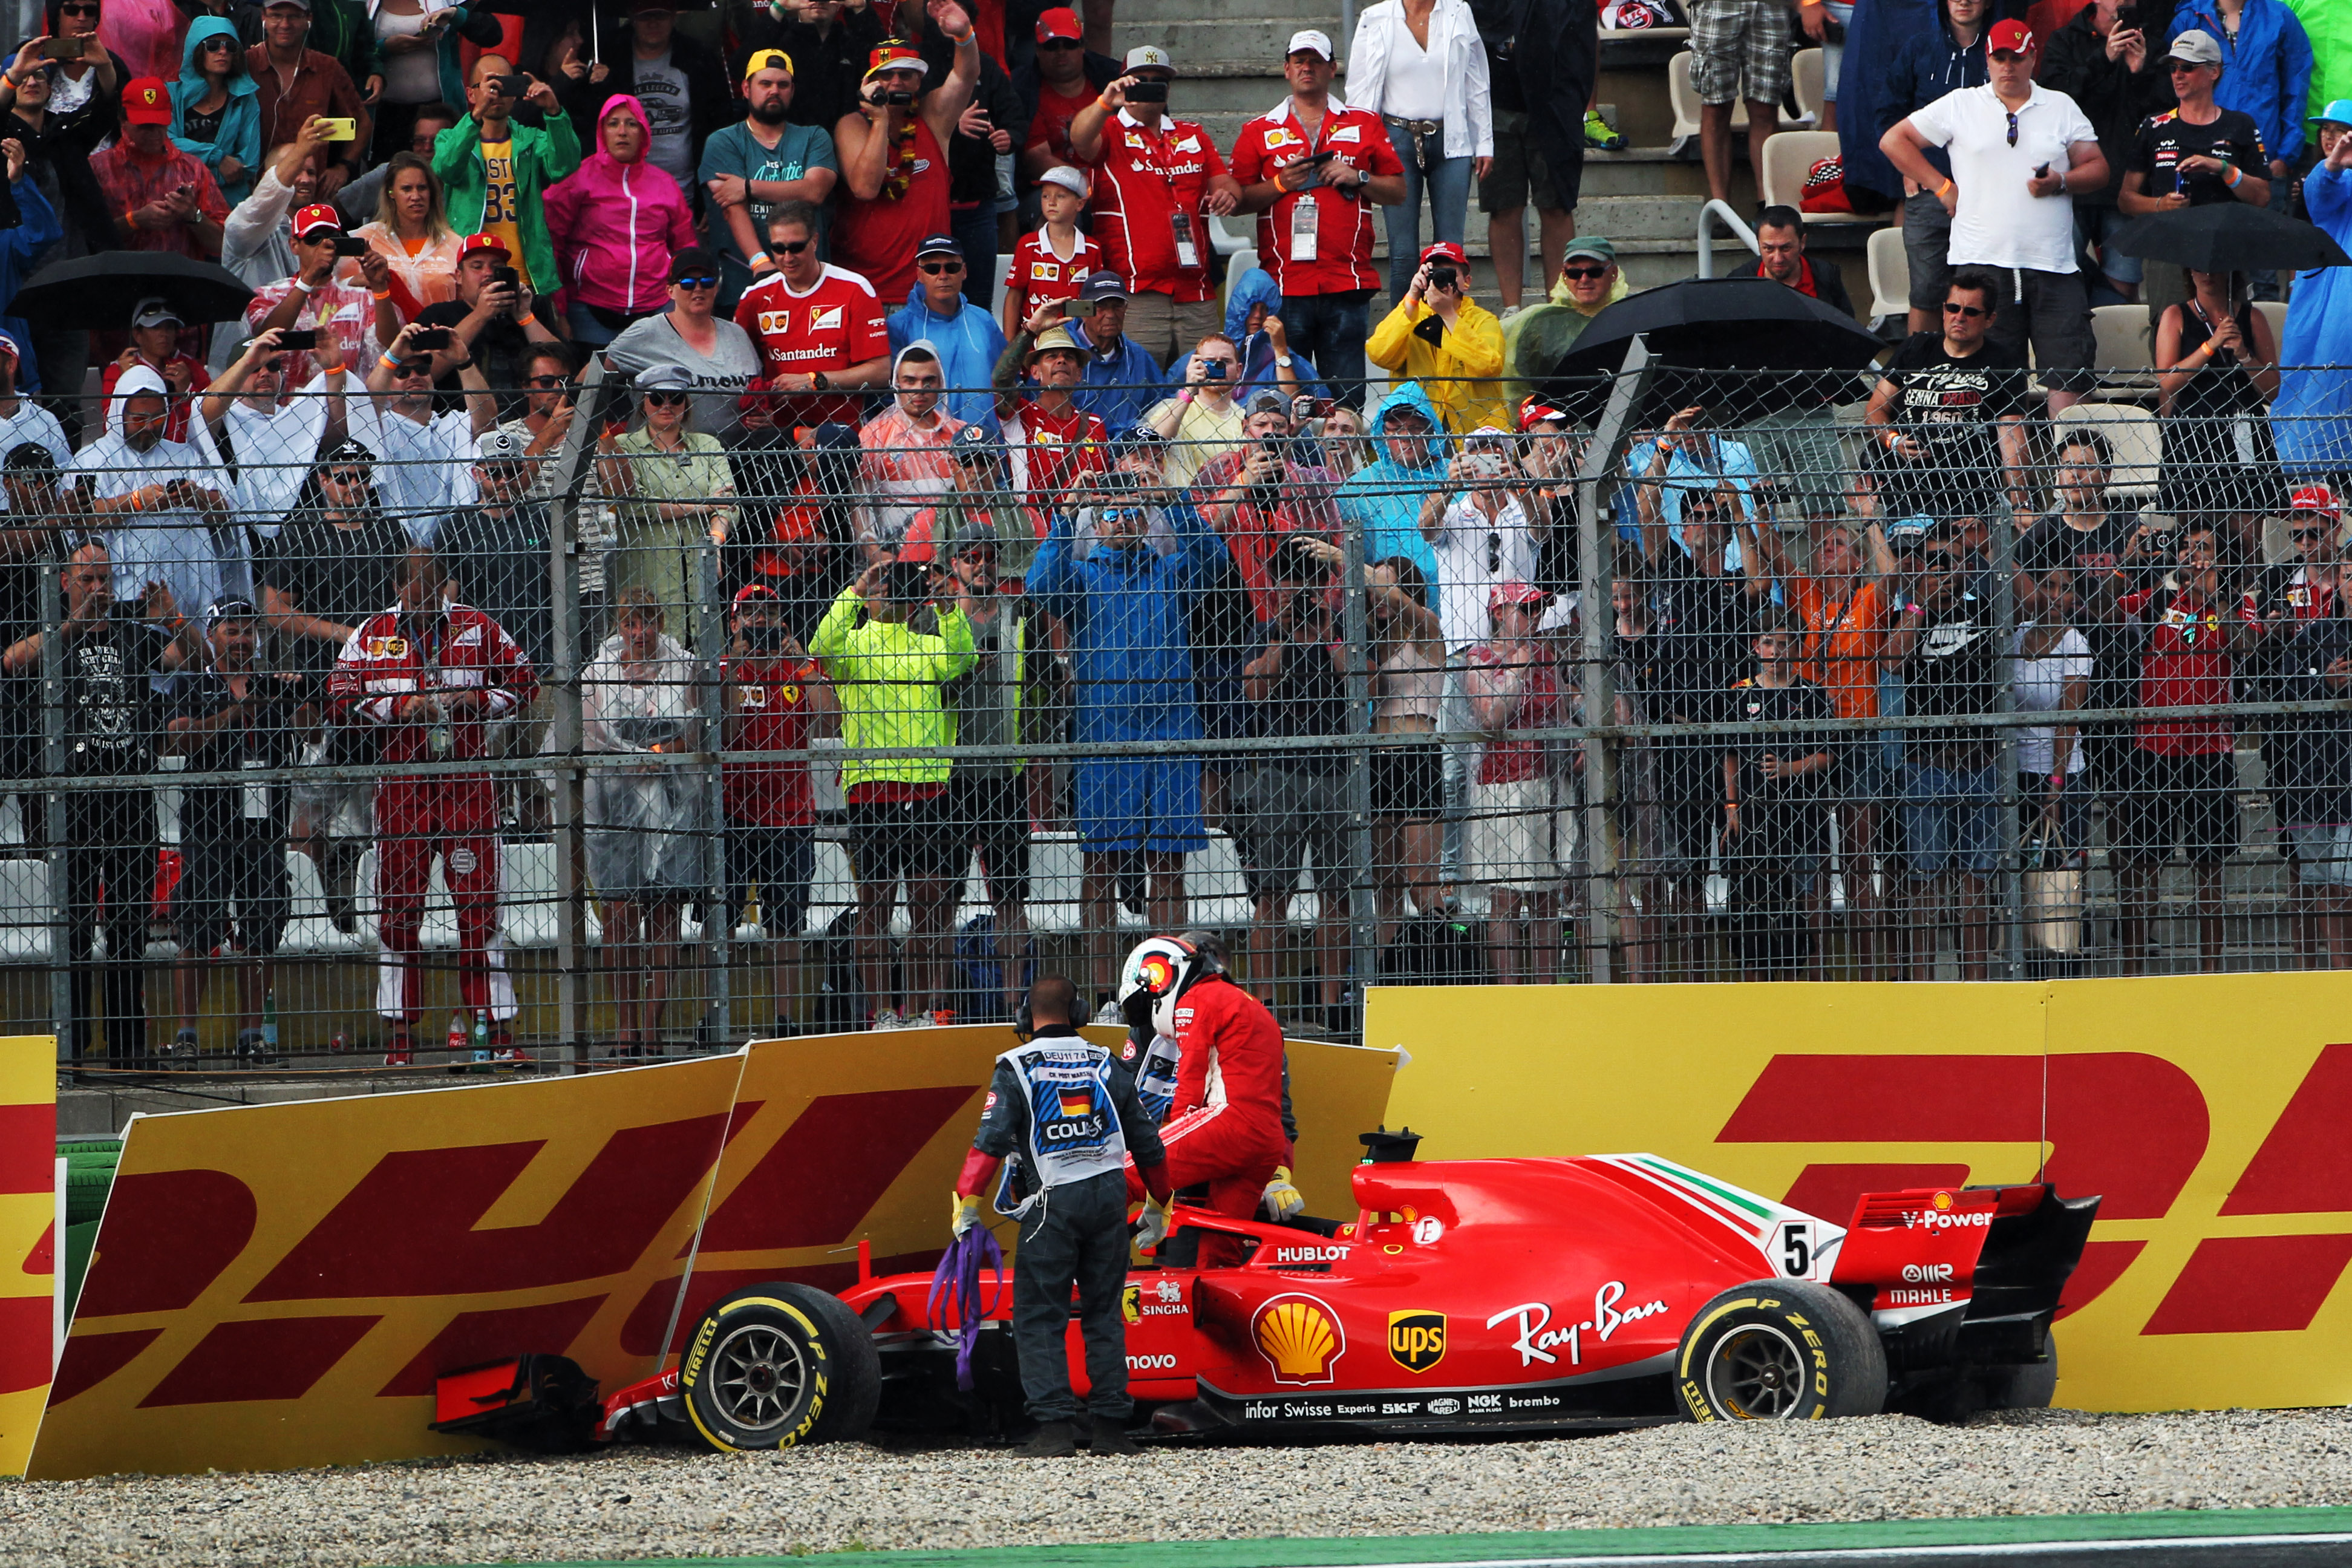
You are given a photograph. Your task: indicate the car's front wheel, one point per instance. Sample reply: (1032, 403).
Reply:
(1780, 1350)
(778, 1366)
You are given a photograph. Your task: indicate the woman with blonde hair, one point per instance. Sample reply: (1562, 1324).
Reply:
(647, 824)
(411, 231)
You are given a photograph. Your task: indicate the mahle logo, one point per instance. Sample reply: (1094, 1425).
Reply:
(1416, 1339)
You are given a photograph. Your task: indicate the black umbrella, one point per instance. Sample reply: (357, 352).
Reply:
(2229, 237)
(1711, 336)
(95, 293)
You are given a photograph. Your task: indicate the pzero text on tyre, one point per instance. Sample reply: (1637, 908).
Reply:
(778, 1366)
(1780, 1350)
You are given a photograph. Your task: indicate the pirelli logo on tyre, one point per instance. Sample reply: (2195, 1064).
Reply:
(1416, 1339)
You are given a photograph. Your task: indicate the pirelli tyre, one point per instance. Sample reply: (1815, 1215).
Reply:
(1780, 1350)
(779, 1365)
(2030, 1386)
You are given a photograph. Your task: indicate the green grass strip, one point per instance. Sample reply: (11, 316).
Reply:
(1337, 1553)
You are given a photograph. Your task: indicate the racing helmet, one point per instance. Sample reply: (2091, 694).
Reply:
(1160, 970)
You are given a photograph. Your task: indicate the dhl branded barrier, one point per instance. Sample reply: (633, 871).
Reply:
(29, 1243)
(2210, 1112)
(280, 1285)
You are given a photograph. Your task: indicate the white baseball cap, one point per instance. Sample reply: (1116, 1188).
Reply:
(1071, 180)
(1309, 38)
(1151, 56)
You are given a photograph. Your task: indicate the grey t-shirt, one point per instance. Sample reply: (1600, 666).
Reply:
(661, 88)
(719, 381)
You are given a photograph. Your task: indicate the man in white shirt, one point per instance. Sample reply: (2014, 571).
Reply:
(1480, 534)
(21, 418)
(161, 504)
(258, 240)
(2017, 149)
(274, 444)
(424, 465)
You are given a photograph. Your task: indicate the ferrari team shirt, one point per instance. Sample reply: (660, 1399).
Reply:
(1043, 274)
(1147, 204)
(837, 322)
(1051, 450)
(1317, 240)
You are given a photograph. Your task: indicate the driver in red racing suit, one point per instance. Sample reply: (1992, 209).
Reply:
(427, 678)
(1225, 1127)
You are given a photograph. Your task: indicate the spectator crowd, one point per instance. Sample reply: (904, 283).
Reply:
(868, 383)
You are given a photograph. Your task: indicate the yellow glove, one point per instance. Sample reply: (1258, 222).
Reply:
(1283, 1200)
(963, 1213)
(1154, 1228)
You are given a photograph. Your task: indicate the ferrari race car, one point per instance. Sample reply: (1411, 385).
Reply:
(1465, 1296)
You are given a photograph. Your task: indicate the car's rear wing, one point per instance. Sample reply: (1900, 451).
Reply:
(1994, 1259)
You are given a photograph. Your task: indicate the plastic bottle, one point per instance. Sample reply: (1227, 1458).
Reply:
(481, 1038)
(456, 1041)
(269, 1021)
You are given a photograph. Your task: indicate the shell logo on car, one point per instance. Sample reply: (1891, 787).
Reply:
(1300, 1338)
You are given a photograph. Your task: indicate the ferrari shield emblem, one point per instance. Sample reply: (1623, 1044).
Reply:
(1416, 1339)
(1131, 1304)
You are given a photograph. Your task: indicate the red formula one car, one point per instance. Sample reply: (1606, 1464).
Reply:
(1469, 1295)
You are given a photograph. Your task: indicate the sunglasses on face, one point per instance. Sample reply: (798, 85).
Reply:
(1971, 312)
(1582, 273)
(1059, 44)
(695, 283)
(412, 370)
(350, 477)
(2181, 68)
(940, 268)
(665, 399)
(981, 557)
(2306, 535)
(77, 10)
(546, 380)
(792, 247)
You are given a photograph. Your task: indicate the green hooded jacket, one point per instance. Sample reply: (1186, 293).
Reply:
(541, 159)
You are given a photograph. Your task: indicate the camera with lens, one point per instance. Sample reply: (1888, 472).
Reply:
(763, 636)
(1294, 565)
(1443, 278)
(900, 99)
(907, 581)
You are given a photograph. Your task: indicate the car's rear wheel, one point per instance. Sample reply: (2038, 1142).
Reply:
(1780, 1350)
(2030, 1386)
(779, 1365)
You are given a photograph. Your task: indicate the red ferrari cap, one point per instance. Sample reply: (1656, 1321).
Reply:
(1515, 592)
(2318, 499)
(1540, 410)
(316, 216)
(1061, 22)
(2013, 36)
(478, 244)
(144, 102)
(1446, 250)
(750, 591)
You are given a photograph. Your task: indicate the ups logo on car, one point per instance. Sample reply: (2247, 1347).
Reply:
(1416, 1339)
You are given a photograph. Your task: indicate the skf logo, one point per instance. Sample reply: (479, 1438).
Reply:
(1300, 1338)
(824, 319)
(1416, 1339)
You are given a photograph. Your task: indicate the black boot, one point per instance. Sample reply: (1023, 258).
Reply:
(1111, 1437)
(1051, 1440)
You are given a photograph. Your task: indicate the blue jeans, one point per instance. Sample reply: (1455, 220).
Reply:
(1448, 184)
(1330, 330)
(975, 236)
(1951, 819)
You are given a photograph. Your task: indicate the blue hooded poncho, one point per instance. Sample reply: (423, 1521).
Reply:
(1255, 286)
(2312, 415)
(1384, 497)
(240, 128)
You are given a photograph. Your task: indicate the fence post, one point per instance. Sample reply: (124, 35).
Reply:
(1363, 901)
(718, 918)
(63, 980)
(2012, 870)
(1599, 689)
(573, 465)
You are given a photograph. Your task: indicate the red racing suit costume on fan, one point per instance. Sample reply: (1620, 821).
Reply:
(1225, 1127)
(467, 660)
